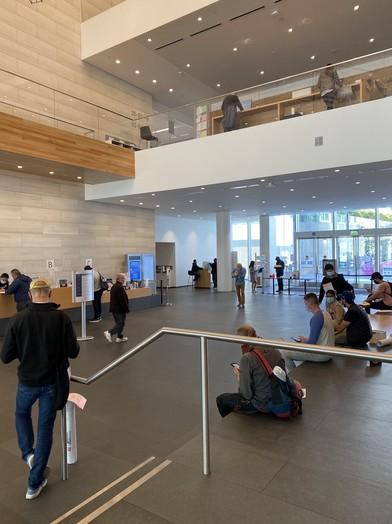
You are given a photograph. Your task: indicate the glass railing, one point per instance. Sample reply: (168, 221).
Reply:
(359, 80)
(33, 101)
(92, 8)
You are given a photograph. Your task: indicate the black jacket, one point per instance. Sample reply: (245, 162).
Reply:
(20, 288)
(339, 284)
(118, 299)
(41, 337)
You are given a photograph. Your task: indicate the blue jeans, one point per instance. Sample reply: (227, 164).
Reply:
(25, 398)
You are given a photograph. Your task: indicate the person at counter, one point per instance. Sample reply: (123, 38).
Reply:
(4, 281)
(20, 289)
(214, 272)
(119, 308)
(195, 270)
(99, 287)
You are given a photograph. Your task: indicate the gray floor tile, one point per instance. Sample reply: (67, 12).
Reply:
(125, 513)
(340, 497)
(179, 495)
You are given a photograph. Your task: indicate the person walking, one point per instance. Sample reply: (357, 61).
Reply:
(119, 308)
(329, 84)
(279, 270)
(42, 338)
(253, 276)
(239, 276)
(231, 119)
(20, 289)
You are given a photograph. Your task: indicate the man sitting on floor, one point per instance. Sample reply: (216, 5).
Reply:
(354, 330)
(321, 333)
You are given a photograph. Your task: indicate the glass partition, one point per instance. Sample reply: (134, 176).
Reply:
(360, 80)
(362, 219)
(314, 222)
(385, 217)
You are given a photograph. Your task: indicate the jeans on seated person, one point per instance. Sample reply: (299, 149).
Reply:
(290, 356)
(228, 402)
(377, 304)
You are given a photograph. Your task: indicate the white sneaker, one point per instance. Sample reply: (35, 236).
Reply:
(124, 339)
(34, 493)
(108, 336)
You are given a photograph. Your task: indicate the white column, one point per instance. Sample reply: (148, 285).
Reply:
(223, 241)
(265, 242)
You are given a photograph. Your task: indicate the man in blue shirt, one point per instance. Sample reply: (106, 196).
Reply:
(239, 276)
(321, 333)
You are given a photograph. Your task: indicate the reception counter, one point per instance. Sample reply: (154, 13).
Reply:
(204, 280)
(63, 296)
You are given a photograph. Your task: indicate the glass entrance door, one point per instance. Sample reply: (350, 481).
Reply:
(386, 257)
(356, 256)
(312, 251)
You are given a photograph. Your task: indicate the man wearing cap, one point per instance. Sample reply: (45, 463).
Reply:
(42, 338)
(355, 329)
(381, 297)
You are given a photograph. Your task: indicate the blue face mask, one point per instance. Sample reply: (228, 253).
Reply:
(330, 300)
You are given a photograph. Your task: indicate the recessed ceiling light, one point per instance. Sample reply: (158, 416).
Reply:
(195, 210)
(157, 205)
(149, 39)
(263, 201)
(262, 180)
(79, 177)
(141, 203)
(302, 210)
(330, 203)
(236, 196)
(121, 201)
(383, 198)
(344, 207)
(356, 7)
(371, 40)
(337, 170)
(357, 182)
(202, 188)
(220, 206)
(290, 29)
(314, 196)
(312, 57)
(284, 207)
(172, 208)
(178, 216)
(137, 72)
(235, 49)
(152, 194)
(373, 191)
(51, 172)
(218, 85)
(118, 61)
(154, 81)
(20, 167)
(292, 189)
(262, 72)
(188, 66)
(244, 210)
(199, 19)
(190, 201)
(171, 90)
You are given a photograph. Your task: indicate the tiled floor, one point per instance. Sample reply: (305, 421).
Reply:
(332, 465)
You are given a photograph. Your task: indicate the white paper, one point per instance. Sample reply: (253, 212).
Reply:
(328, 287)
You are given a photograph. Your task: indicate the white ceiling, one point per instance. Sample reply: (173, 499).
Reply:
(331, 30)
(334, 190)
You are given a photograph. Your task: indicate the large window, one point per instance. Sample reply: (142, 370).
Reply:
(314, 222)
(246, 240)
(282, 240)
(362, 219)
(385, 217)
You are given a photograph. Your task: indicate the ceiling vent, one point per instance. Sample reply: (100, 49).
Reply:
(206, 29)
(170, 43)
(247, 13)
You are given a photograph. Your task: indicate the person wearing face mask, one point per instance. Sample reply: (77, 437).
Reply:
(4, 281)
(337, 280)
(381, 297)
(334, 307)
(354, 330)
(322, 333)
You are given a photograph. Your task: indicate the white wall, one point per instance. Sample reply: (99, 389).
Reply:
(131, 19)
(193, 239)
(353, 135)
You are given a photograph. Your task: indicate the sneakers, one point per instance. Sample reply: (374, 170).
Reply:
(124, 339)
(34, 493)
(95, 320)
(108, 336)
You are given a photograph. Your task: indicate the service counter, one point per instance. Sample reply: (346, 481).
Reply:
(140, 298)
(204, 280)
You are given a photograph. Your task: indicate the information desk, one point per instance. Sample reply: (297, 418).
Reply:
(204, 280)
(63, 296)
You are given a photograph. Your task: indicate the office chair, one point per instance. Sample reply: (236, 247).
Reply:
(145, 134)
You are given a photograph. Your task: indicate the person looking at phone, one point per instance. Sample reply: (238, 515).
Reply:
(254, 391)
(321, 333)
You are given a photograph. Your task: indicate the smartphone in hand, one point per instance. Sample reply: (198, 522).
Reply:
(235, 365)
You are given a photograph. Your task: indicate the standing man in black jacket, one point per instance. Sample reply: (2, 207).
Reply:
(336, 280)
(119, 308)
(41, 337)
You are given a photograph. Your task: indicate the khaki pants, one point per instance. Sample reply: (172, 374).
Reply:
(240, 288)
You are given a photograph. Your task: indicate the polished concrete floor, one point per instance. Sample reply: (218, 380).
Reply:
(332, 465)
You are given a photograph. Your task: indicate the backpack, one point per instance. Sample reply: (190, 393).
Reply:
(286, 394)
(103, 283)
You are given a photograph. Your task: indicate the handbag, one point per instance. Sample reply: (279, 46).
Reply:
(61, 386)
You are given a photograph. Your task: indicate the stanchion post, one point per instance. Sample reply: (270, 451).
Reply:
(273, 286)
(288, 286)
(204, 406)
(161, 292)
(64, 463)
(305, 286)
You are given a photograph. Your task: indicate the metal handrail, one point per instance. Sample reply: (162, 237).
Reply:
(204, 336)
